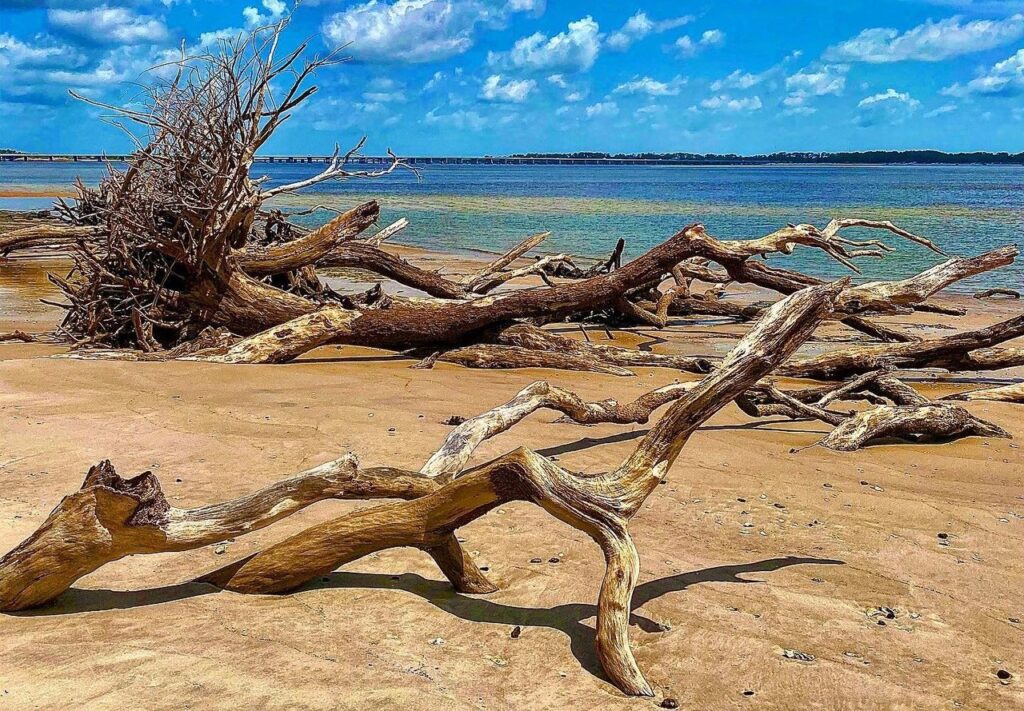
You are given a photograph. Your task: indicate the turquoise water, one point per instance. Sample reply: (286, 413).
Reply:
(965, 209)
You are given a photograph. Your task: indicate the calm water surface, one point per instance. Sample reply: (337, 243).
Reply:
(965, 209)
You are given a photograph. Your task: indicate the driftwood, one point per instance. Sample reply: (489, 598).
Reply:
(82, 533)
(970, 350)
(917, 422)
(1014, 392)
(990, 293)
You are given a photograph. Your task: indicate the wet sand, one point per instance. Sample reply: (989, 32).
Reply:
(833, 537)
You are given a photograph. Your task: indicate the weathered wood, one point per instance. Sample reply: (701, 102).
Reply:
(917, 422)
(599, 505)
(970, 350)
(1013, 392)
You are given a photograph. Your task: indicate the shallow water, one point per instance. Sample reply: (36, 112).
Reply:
(965, 209)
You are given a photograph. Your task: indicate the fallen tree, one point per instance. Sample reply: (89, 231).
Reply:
(111, 517)
(185, 240)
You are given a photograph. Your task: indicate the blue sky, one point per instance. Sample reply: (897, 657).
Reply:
(471, 77)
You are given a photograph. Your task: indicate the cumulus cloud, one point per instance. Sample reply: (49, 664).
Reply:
(737, 80)
(602, 108)
(651, 87)
(687, 47)
(108, 25)
(574, 50)
(514, 91)
(928, 42)
(275, 10)
(811, 82)
(1005, 78)
(889, 107)
(640, 26)
(944, 109)
(417, 30)
(15, 54)
(462, 120)
(725, 102)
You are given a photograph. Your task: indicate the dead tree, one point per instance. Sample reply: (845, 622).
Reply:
(111, 517)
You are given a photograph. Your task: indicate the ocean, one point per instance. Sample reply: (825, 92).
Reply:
(964, 209)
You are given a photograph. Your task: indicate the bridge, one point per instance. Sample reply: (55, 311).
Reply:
(411, 160)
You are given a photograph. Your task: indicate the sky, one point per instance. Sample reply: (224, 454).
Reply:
(479, 77)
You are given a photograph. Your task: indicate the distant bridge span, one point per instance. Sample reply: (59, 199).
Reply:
(384, 160)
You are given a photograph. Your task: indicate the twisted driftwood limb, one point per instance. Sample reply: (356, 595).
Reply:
(915, 422)
(17, 336)
(474, 281)
(309, 248)
(527, 336)
(387, 232)
(989, 293)
(498, 357)
(970, 350)
(110, 517)
(451, 458)
(47, 236)
(1014, 392)
(599, 505)
(484, 285)
(885, 296)
(362, 255)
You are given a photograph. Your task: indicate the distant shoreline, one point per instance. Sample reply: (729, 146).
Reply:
(774, 160)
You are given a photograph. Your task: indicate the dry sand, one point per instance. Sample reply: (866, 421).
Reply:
(833, 537)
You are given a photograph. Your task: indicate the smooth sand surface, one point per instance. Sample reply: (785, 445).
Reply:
(831, 538)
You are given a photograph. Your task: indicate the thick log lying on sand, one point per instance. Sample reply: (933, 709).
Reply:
(914, 422)
(1014, 392)
(970, 350)
(990, 293)
(110, 517)
(599, 505)
(46, 236)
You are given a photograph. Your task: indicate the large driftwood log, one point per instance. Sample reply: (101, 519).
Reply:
(915, 422)
(970, 350)
(47, 236)
(1014, 392)
(81, 534)
(599, 505)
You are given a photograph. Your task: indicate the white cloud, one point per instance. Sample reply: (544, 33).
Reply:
(889, 107)
(108, 25)
(15, 54)
(640, 26)
(725, 102)
(463, 120)
(576, 49)
(417, 30)
(712, 38)
(559, 81)
(275, 10)
(1005, 78)
(928, 42)
(737, 80)
(649, 86)
(820, 81)
(434, 81)
(944, 109)
(603, 108)
(514, 91)
(687, 47)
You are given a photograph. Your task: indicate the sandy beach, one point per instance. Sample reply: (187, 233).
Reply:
(751, 548)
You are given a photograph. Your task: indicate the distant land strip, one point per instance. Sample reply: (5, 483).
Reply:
(919, 157)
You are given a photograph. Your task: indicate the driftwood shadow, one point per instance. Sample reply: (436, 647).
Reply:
(568, 618)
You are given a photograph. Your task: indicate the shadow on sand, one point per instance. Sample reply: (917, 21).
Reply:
(568, 618)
